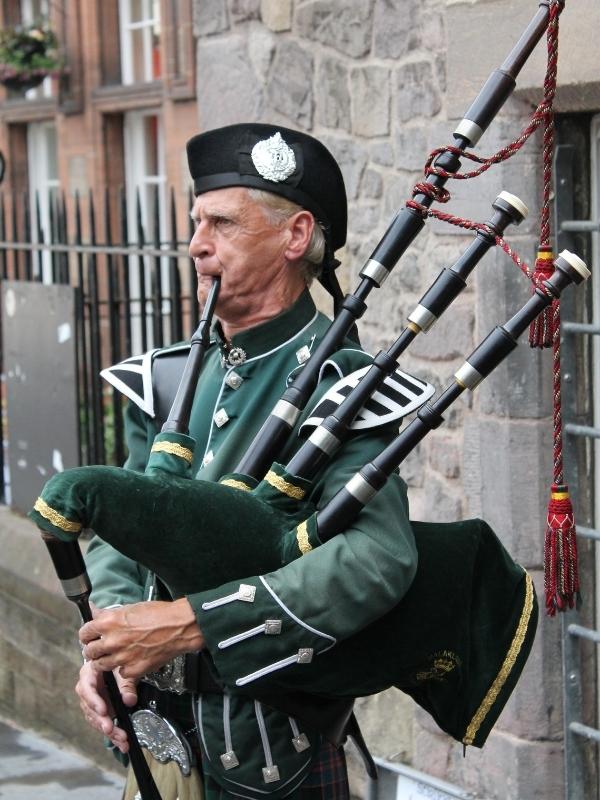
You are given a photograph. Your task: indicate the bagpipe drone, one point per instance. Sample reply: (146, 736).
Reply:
(460, 637)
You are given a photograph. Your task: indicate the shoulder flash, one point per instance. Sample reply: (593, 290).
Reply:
(398, 396)
(133, 377)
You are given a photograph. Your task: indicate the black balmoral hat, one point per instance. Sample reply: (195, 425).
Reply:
(275, 159)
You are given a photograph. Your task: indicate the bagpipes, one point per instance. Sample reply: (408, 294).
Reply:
(461, 635)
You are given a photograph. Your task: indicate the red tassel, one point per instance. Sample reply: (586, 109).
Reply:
(540, 330)
(561, 578)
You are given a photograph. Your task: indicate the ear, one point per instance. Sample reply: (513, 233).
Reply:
(300, 227)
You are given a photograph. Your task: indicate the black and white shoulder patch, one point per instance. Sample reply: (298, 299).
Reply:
(398, 396)
(136, 378)
(133, 377)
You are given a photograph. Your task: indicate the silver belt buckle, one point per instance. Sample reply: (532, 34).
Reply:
(170, 677)
(162, 739)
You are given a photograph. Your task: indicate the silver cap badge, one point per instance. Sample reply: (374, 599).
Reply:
(273, 158)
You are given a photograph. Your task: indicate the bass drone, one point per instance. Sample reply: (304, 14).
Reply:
(456, 643)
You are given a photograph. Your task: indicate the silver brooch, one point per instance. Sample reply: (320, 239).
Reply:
(273, 158)
(162, 739)
(236, 356)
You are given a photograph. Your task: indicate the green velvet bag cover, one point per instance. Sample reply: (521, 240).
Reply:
(456, 643)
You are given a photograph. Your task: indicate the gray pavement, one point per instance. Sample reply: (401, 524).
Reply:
(33, 768)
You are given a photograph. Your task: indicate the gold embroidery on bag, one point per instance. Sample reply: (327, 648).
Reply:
(285, 487)
(173, 449)
(55, 518)
(302, 537)
(236, 484)
(507, 665)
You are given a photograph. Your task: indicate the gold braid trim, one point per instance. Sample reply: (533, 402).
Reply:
(302, 537)
(55, 518)
(236, 484)
(285, 487)
(507, 665)
(173, 449)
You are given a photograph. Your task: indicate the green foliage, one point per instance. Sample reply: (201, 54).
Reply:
(28, 52)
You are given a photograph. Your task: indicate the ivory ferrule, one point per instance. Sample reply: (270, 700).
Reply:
(469, 130)
(422, 317)
(286, 412)
(375, 271)
(468, 377)
(75, 587)
(360, 489)
(324, 440)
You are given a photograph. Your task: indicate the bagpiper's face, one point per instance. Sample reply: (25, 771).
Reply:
(234, 239)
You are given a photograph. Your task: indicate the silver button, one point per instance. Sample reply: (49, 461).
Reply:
(233, 380)
(246, 592)
(229, 760)
(270, 774)
(305, 655)
(300, 743)
(272, 626)
(221, 417)
(303, 354)
(208, 458)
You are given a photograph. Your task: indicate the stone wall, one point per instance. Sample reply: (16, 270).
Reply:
(381, 82)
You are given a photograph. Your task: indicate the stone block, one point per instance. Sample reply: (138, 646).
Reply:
(276, 14)
(371, 185)
(409, 148)
(416, 91)
(396, 28)
(382, 153)
(507, 465)
(370, 101)
(332, 94)
(509, 768)
(243, 10)
(365, 218)
(289, 88)
(386, 722)
(261, 48)
(210, 17)
(443, 500)
(443, 454)
(352, 158)
(345, 26)
(228, 90)
(451, 337)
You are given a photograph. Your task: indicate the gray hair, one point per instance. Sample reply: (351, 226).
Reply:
(278, 209)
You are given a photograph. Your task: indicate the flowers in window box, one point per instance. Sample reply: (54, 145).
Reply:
(28, 53)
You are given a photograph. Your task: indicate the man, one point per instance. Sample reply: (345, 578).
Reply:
(270, 210)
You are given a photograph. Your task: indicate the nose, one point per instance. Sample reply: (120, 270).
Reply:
(201, 244)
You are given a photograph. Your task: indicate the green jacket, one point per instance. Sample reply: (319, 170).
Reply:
(325, 596)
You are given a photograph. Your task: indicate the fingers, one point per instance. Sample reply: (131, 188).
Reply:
(127, 687)
(95, 707)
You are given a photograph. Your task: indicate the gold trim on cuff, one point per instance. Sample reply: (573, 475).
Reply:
(55, 518)
(173, 449)
(507, 665)
(285, 487)
(236, 484)
(302, 537)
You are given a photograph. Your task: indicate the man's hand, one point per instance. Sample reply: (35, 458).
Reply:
(96, 707)
(141, 637)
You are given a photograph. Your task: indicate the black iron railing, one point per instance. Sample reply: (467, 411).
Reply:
(132, 292)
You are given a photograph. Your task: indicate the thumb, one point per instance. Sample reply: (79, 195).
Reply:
(127, 687)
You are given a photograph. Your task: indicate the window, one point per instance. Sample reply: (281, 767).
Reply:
(140, 40)
(145, 179)
(43, 186)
